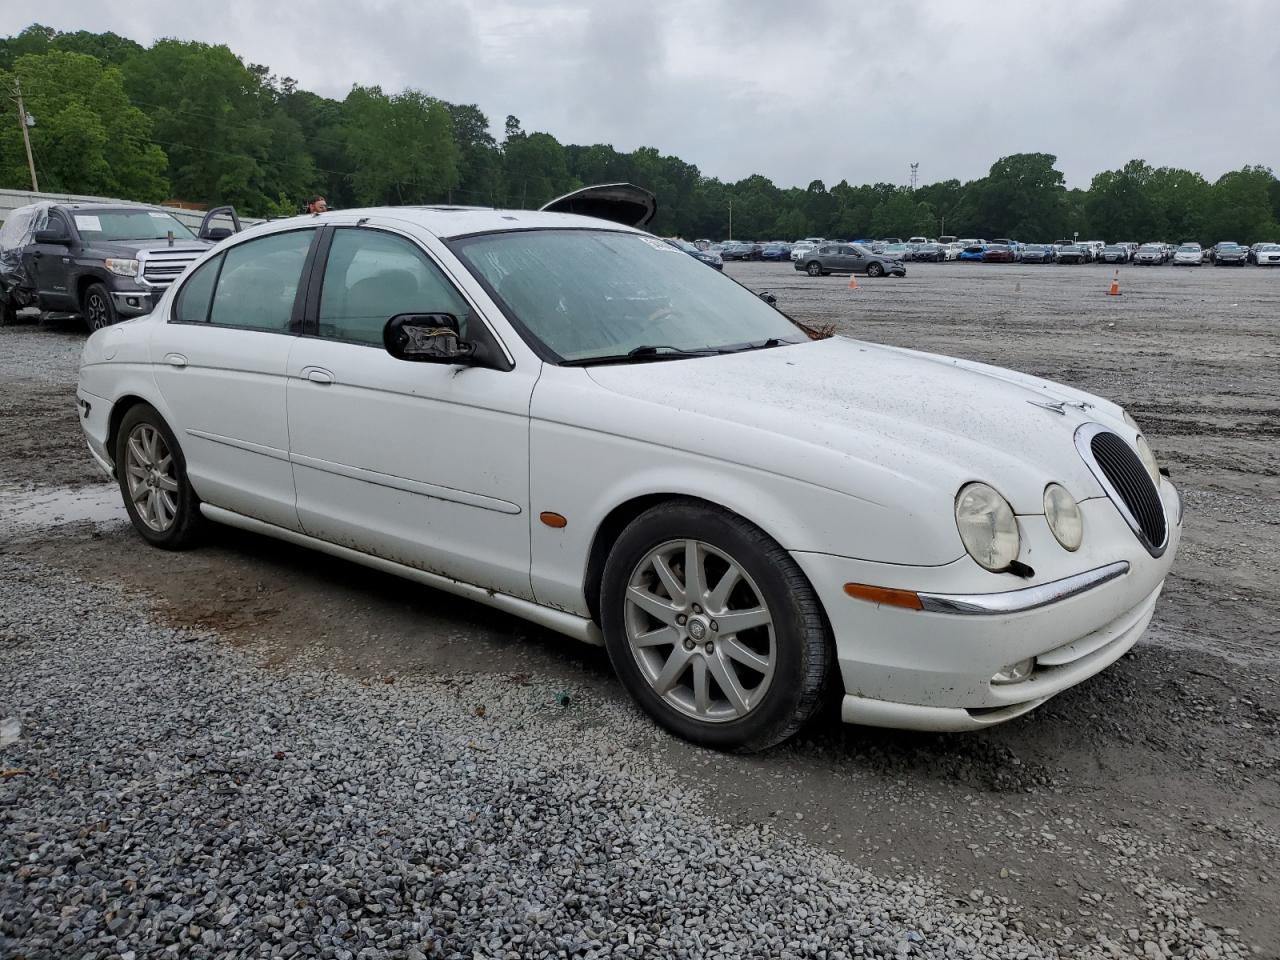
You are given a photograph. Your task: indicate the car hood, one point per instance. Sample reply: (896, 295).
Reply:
(891, 424)
(133, 247)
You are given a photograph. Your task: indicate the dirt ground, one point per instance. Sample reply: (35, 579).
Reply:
(1151, 788)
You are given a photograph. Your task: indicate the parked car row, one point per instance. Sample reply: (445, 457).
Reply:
(1000, 250)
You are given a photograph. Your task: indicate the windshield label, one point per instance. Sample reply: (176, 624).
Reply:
(158, 216)
(89, 222)
(661, 245)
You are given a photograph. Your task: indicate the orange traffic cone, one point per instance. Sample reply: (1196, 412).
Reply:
(853, 283)
(1115, 286)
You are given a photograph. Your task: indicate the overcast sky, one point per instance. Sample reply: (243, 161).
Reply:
(795, 91)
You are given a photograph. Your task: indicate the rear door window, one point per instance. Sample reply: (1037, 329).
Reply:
(259, 280)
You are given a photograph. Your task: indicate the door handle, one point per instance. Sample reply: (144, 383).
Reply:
(318, 375)
(175, 359)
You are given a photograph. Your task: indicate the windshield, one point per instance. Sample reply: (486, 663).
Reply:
(129, 225)
(1188, 248)
(597, 293)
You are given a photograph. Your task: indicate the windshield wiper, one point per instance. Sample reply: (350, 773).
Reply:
(762, 345)
(642, 354)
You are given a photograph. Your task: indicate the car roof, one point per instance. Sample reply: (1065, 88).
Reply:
(447, 222)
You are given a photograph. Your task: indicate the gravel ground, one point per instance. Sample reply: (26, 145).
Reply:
(218, 726)
(168, 797)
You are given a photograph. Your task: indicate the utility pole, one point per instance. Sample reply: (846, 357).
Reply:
(26, 137)
(915, 170)
(731, 218)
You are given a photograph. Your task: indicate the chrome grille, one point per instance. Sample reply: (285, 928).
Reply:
(163, 265)
(1122, 474)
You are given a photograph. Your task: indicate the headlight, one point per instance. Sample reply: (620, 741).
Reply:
(987, 526)
(125, 268)
(1063, 514)
(1148, 459)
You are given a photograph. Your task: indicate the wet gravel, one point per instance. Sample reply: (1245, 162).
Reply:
(167, 796)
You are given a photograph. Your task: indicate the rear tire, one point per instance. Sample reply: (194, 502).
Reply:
(98, 308)
(741, 688)
(152, 474)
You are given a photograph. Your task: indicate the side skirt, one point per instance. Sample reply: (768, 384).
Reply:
(571, 625)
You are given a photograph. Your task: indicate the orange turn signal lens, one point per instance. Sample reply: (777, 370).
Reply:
(887, 595)
(553, 519)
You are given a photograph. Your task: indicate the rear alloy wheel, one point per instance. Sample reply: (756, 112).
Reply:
(875, 270)
(713, 629)
(814, 269)
(153, 479)
(99, 311)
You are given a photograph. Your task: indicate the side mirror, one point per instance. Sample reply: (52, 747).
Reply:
(216, 233)
(55, 237)
(426, 338)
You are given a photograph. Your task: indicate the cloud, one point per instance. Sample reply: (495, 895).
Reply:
(824, 90)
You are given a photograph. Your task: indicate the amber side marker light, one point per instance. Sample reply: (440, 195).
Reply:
(553, 519)
(886, 595)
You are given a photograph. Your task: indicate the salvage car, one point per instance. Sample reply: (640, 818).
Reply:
(972, 250)
(101, 261)
(1073, 253)
(1230, 254)
(998, 253)
(1114, 253)
(929, 251)
(565, 418)
(849, 258)
(1038, 253)
(1149, 254)
(1268, 255)
(710, 257)
(1188, 255)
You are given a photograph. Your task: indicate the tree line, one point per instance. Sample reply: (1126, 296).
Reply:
(192, 121)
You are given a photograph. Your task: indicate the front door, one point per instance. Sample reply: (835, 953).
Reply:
(426, 464)
(220, 364)
(49, 266)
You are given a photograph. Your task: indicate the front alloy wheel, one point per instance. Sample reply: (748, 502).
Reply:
(99, 311)
(700, 631)
(875, 270)
(713, 628)
(815, 269)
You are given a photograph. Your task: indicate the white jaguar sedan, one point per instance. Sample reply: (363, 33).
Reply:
(568, 419)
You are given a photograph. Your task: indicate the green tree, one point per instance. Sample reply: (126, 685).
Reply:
(1022, 197)
(536, 168)
(88, 138)
(400, 147)
(227, 138)
(1240, 206)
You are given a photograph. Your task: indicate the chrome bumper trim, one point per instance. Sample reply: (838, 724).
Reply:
(1018, 601)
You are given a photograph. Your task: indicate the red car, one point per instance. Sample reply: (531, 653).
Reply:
(998, 253)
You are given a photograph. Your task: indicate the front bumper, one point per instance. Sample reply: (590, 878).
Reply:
(134, 303)
(932, 669)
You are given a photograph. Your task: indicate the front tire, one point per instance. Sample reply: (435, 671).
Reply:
(713, 628)
(814, 269)
(875, 270)
(98, 308)
(152, 474)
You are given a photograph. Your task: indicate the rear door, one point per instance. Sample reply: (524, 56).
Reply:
(220, 364)
(426, 464)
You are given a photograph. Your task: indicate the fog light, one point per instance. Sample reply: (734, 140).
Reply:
(1016, 672)
(133, 301)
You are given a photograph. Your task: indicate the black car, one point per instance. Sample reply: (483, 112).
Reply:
(1038, 253)
(709, 257)
(929, 252)
(1230, 254)
(735, 250)
(1114, 253)
(102, 261)
(1073, 253)
(849, 258)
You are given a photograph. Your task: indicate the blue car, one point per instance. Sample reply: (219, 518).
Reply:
(973, 250)
(775, 251)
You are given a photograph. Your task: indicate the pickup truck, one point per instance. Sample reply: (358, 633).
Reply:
(101, 261)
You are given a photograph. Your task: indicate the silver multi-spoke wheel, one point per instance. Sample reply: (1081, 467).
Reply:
(700, 631)
(152, 477)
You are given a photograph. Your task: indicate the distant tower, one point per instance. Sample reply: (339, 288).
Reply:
(915, 172)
